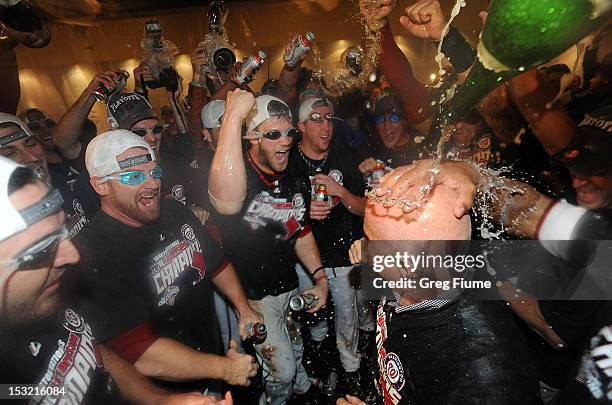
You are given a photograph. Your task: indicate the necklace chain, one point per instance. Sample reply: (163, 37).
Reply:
(308, 161)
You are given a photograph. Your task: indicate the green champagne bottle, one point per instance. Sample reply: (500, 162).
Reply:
(520, 35)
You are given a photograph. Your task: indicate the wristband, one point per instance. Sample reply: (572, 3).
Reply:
(560, 221)
(318, 269)
(457, 50)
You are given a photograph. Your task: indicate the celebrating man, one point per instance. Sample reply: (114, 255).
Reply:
(264, 207)
(149, 297)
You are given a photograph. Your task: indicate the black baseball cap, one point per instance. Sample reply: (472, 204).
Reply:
(127, 109)
(590, 150)
(386, 103)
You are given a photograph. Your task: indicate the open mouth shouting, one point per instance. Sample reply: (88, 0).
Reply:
(149, 198)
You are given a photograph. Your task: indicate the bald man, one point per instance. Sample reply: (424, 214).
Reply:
(442, 346)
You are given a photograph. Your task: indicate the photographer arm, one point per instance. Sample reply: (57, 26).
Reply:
(197, 97)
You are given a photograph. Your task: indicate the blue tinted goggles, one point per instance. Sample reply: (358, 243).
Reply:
(393, 117)
(135, 177)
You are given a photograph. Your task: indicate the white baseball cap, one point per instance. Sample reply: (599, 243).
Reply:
(102, 151)
(24, 133)
(212, 113)
(267, 107)
(308, 106)
(13, 220)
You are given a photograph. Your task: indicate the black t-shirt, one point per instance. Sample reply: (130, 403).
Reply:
(486, 150)
(400, 156)
(158, 274)
(80, 200)
(336, 233)
(183, 181)
(61, 352)
(261, 238)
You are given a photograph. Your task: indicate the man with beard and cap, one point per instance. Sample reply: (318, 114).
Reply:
(263, 207)
(18, 144)
(149, 297)
(43, 342)
(182, 179)
(336, 225)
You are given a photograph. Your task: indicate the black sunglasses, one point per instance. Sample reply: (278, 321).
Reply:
(275, 134)
(157, 129)
(49, 123)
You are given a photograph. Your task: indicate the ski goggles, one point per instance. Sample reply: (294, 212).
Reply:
(135, 177)
(318, 117)
(393, 117)
(275, 134)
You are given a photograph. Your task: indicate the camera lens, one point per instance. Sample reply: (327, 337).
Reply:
(224, 58)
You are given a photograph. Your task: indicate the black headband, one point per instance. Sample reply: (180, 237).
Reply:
(134, 161)
(20, 134)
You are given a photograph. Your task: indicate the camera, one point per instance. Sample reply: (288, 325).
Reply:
(158, 55)
(168, 78)
(153, 30)
(351, 60)
(223, 58)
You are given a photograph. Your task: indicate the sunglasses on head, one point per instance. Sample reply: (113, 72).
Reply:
(34, 126)
(318, 117)
(39, 255)
(156, 130)
(275, 134)
(393, 117)
(135, 177)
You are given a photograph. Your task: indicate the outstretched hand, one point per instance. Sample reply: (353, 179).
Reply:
(405, 182)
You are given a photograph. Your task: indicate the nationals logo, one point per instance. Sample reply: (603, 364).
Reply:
(394, 371)
(73, 321)
(188, 233)
(178, 193)
(387, 363)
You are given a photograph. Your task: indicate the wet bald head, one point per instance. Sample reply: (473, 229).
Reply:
(433, 221)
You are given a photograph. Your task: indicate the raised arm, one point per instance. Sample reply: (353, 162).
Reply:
(288, 78)
(227, 183)
(413, 95)
(549, 120)
(70, 126)
(197, 97)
